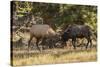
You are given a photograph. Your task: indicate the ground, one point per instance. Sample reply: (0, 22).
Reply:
(54, 56)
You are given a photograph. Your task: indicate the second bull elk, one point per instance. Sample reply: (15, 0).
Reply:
(40, 32)
(77, 31)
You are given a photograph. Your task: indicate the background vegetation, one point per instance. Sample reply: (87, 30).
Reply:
(56, 15)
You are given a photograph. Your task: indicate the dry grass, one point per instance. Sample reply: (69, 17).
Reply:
(56, 56)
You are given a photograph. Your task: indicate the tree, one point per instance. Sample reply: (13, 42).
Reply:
(57, 15)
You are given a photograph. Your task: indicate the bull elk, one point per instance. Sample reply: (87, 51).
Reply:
(77, 31)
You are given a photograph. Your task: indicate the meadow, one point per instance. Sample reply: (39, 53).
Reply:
(53, 56)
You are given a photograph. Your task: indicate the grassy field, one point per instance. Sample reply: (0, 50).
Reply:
(54, 56)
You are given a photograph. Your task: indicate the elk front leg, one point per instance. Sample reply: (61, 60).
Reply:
(73, 43)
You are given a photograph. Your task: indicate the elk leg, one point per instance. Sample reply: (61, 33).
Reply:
(73, 42)
(37, 44)
(44, 43)
(82, 43)
(90, 43)
(31, 37)
(51, 44)
(87, 42)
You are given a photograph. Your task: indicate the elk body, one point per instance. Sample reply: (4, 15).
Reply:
(40, 32)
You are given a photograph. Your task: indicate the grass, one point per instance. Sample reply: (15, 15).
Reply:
(56, 56)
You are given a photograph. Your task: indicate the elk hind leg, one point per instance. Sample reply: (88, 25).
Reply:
(31, 37)
(37, 44)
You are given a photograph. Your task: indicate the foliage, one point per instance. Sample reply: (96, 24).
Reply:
(58, 15)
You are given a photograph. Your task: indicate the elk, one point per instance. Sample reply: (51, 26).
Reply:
(40, 32)
(77, 31)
